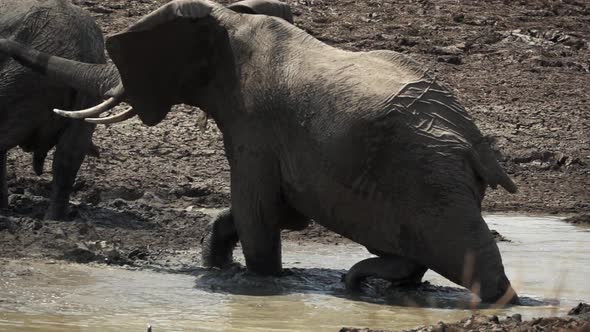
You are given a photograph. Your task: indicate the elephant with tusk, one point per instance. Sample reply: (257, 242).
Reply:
(367, 144)
(27, 98)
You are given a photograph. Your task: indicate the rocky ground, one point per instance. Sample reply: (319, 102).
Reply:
(578, 320)
(521, 67)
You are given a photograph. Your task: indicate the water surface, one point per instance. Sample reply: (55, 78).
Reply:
(548, 262)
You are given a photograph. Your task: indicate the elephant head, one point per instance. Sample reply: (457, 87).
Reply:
(176, 54)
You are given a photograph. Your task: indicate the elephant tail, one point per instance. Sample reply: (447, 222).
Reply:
(488, 168)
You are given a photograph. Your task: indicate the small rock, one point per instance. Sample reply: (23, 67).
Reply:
(441, 326)
(138, 254)
(517, 317)
(562, 159)
(580, 309)
(580, 219)
(459, 17)
(118, 203)
(88, 231)
(60, 233)
(112, 254)
(450, 59)
(37, 225)
(498, 237)
(195, 190)
(467, 323)
(80, 255)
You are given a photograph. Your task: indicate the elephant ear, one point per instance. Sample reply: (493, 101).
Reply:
(162, 49)
(264, 7)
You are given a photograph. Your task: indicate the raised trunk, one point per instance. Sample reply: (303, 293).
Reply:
(93, 79)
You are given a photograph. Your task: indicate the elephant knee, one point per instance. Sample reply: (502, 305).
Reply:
(396, 269)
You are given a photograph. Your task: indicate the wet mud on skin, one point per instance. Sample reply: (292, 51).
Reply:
(522, 68)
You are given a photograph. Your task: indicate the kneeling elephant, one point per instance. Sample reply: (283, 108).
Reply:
(367, 144)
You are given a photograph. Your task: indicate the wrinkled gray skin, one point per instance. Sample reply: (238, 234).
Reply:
(27, 98)
(365, 143)
(264, 7)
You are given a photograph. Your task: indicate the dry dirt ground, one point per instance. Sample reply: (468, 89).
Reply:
(521, 67)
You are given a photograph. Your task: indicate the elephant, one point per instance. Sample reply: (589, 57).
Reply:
(27, 98)
(59, 28)
(368, 144)
(263, 7)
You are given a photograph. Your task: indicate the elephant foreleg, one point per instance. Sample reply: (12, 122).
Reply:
(256, 207)
(3, 184)
(397, 269)
(69, 155)
(221, 236)
(219, 241)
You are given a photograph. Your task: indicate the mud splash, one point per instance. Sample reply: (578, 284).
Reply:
(547, 260)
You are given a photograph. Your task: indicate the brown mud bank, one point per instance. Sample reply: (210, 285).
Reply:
(578, 320)
(144, 231)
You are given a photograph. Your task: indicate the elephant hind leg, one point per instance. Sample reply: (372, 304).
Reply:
(219, 241)
(3, 183)
(397, 269)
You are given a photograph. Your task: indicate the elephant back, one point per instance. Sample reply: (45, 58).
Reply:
(72, 32)
(433, 116)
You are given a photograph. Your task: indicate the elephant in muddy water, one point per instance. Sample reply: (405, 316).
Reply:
(27, 98)
(367, 144)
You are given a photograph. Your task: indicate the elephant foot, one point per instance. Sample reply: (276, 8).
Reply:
(58, 207)
(396, 269)
(55, 212)
(219, 241)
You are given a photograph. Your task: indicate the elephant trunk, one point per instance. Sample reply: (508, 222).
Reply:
(471, 258)
(93, 79)
(101, 80)
(483, 272)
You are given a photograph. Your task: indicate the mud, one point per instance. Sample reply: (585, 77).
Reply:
(521, 67)
(575, 323)
(579, 219)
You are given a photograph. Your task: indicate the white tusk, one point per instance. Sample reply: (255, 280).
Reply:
(92, 111)
(126, 114)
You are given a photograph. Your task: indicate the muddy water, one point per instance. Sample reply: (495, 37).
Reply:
(547, 260)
